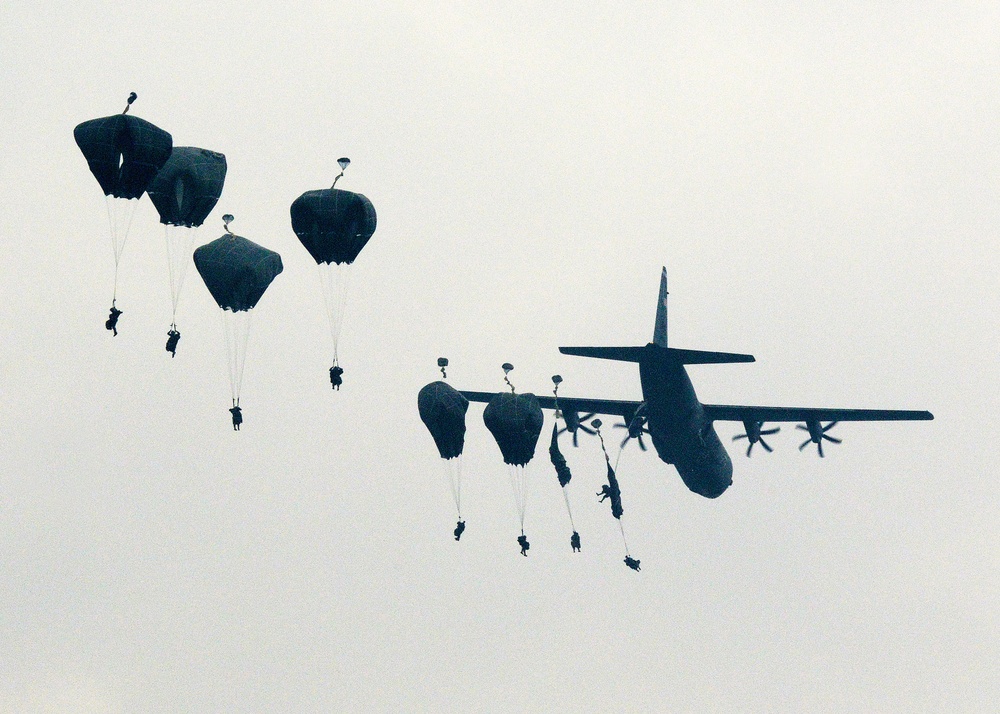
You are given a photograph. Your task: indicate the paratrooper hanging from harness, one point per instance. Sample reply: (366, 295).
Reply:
(515, 420)
(124, 153)
(236, 272)
(184, 192)
(612, 491)
(563, 473)
(334, 225)
(442, 410)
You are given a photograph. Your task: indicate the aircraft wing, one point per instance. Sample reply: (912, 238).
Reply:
(720, 412)
(624, 409)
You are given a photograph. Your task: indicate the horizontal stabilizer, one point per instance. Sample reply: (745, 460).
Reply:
(701, 357)
(621, 354)
(636, 354)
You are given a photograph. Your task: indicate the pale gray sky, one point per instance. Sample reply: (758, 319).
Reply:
(820, 180)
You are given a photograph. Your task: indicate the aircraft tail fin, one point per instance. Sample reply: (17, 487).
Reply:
(658, 349)
(660, 329)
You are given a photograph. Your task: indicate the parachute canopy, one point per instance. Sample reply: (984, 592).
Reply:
(124, 152)
(333, 225)
(515, 420)
(188, 186)
(442, 409)
(236, 271)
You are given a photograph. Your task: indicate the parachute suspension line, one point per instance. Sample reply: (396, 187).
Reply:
(236, 326)
(179, 240)
(622, 529)
(243, 357)
(597, 426)
(229, 331)
(120, 214)
(568, 509)
(518, 486)
(458, 485)
(345, 283)
(335, 279)
(454, 469)
(619, 457)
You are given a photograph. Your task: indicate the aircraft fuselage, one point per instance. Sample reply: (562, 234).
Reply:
(680, 431)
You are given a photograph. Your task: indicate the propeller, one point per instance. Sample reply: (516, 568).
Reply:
(817, 433)
(754, 434)
(636, 426)
(575, 424)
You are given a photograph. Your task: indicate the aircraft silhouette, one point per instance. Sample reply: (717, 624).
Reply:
(682, 428)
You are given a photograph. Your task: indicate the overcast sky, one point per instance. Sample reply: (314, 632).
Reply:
(821, 182)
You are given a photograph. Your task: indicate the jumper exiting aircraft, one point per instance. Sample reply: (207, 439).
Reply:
(680, 426)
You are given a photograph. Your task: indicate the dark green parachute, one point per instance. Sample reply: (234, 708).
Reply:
(236, 271)
(188, 186)
(442, 409)
(124, 152)
(333, 225)
(515, 420)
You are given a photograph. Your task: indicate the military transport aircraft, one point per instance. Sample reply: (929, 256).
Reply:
(680, 426)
